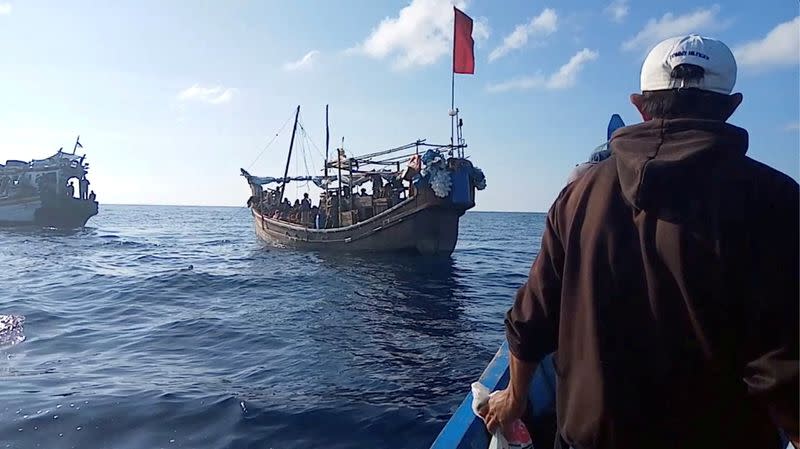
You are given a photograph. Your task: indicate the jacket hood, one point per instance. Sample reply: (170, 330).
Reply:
(664, 164)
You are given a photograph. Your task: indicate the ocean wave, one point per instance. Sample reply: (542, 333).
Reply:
(156, 331)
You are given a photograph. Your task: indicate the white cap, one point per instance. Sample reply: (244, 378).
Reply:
(712, 55)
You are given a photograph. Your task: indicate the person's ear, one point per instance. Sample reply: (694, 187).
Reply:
(637, 100)
(733, 102)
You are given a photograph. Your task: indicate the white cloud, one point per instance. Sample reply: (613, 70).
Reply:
(523, 83)
(566, 76)
(5, 8)
(544, 24)
(568, 73)
(780, 47)
(670, 25)
(617, 10)
(211, 95)
(305, 62)
(480, 29)
(421, 33)
(795, 126)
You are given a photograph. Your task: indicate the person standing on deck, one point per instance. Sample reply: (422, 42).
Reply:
(667, 279)
(83, 185)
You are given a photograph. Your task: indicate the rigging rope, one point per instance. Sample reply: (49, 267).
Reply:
(303, 149)
(308, 136)
(270, 142)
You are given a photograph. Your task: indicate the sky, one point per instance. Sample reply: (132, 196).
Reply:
(172, 98)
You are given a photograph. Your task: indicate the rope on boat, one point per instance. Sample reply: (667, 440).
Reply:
(270, 142)
(308, 137)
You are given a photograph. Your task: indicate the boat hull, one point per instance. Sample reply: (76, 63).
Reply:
(62, 213)
(422, 224)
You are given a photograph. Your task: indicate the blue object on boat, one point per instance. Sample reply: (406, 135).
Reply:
(460, 192)
(603, 151)
(614, 124)
(542, 392)
(601, 154)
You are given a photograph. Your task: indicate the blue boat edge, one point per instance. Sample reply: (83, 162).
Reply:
(464, 430)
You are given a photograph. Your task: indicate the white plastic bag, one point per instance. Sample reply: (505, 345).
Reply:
(518, 437)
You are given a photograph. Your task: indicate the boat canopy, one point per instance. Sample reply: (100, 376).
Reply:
(68, 164)
(323, 182)
(264, 180)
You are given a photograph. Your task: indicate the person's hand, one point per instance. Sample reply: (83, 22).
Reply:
(503, 408)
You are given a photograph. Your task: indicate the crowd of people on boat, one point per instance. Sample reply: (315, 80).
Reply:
(361, 205)
(273, 206)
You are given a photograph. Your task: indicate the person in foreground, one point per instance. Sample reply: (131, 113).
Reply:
(667, 280)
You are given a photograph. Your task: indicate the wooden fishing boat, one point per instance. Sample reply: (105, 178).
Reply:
(39, 193)
(417, 210)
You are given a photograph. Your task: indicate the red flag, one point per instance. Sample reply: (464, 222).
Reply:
(463, 45)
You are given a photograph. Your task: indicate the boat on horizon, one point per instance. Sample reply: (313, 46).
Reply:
(413, 208)
(41, 192)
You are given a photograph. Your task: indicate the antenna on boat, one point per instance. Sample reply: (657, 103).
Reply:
(289, 158)
(77, 144)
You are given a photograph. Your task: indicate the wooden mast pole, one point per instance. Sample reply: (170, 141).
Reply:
(350, 183)
(327, 142)
(339, 155)
(289, 158)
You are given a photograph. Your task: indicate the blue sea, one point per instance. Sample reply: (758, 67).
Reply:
(173, 327)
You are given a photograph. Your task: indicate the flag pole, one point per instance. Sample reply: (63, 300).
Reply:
(465, 58)
(452, 106)
(453, 83)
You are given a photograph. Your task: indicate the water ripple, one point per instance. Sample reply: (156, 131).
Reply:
(174, 327)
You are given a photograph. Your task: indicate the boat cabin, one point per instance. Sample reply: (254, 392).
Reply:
(52, 176)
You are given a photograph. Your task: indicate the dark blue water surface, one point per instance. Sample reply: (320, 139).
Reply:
(173, 327)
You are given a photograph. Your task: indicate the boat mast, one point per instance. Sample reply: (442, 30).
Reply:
(327, 142)
(350, 182)
(339, 154)
(289, 158)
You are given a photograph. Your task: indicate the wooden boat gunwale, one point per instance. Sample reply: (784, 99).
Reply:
(464, 430)
(297, 227)
(404, 211)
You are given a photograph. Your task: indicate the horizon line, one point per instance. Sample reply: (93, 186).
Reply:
(245, 207)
